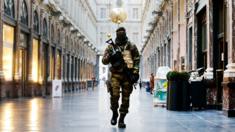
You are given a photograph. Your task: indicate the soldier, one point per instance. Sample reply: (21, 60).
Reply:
(124, 59)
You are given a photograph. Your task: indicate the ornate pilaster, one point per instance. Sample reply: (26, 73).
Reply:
(229, 73)
(30, 78)
(211, 89)
(210, 33)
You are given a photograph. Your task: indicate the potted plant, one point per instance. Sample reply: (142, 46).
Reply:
(178, 91)
(173, 79)
(184, 91)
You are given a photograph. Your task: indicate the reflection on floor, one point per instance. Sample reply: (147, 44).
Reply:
(88, 111)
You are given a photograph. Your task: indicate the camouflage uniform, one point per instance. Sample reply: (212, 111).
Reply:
(119, 79)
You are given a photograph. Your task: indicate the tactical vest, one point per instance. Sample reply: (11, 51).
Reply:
(127, 55)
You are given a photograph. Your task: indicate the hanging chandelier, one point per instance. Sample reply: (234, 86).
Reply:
(118, 15)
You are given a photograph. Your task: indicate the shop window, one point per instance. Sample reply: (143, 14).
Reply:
(190, 46)
(45, 63)
(169, 53)
(64, 67)
(21, 66)
(72, 68)
(35, 22)
(68, 67)
(24, 13)
(221, 12)
(8, 42)
(76, 68)
(204, 45)
(44, 30)
(162, 56)
(202, 40)
(9, 8)
(35, 61)
(52, 63)
(58, 64)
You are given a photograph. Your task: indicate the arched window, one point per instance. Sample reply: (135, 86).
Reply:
(24, 13)
(35, 22)
(44, 30)
(9, 8)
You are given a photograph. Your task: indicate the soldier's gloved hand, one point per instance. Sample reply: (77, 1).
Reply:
(116, 57)
(135, 77)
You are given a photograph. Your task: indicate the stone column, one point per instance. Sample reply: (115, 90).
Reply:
(70, 68)
(229, 73)
(42, 67)
(209, 70)
(208, 75)
(78, 66)
(30, 42)
(31, 86)
(16, 58)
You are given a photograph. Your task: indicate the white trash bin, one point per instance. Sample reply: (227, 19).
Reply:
(160, 86)
(57, 89)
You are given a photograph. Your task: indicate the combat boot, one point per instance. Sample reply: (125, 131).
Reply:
(114, 118)
(121, 123)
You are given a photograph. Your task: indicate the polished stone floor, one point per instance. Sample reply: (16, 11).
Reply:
(88, 111)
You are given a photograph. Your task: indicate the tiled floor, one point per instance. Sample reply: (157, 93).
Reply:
(88, 111)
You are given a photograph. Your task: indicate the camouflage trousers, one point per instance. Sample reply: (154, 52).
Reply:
(120, 84)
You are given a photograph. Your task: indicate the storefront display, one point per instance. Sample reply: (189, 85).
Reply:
(35, 66)
(160, 88)
(8, 43)
(58, 64)
(52, 63)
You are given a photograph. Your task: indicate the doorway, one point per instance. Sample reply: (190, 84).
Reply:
(23, 64)
(23, 70)
(45, 64)
(220, 53)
